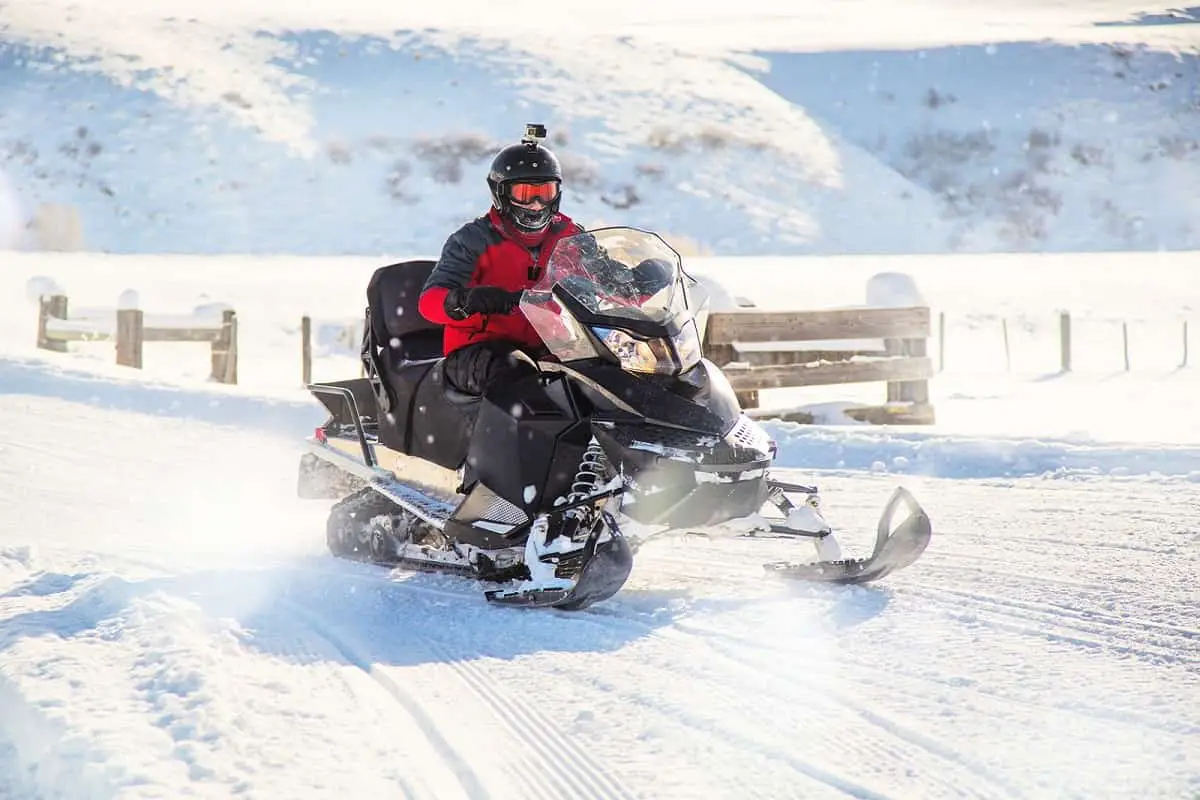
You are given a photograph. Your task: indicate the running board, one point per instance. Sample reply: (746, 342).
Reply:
(428, 509)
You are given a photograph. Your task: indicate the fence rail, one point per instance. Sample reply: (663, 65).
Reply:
(129, 328)
(758, 349)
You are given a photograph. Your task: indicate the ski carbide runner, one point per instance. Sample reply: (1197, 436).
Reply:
(894, 550)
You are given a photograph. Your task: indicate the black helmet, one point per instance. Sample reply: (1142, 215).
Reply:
(526, 163)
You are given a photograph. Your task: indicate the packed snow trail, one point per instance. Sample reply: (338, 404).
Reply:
(170, 625)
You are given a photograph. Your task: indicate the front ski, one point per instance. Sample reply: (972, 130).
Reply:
(895, 549)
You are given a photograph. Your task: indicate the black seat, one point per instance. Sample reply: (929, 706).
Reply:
(402, 353)
(392, 296)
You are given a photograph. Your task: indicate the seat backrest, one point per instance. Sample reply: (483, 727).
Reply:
(392, 296)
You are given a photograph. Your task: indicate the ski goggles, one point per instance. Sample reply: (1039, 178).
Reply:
(524, 193)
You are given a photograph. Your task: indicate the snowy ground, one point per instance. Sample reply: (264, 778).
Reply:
(171, 626)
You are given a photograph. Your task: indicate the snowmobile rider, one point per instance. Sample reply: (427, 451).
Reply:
(486, 264)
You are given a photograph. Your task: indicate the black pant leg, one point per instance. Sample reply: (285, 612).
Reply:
(475, 367)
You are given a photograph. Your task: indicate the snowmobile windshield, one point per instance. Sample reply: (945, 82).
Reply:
(620, 294)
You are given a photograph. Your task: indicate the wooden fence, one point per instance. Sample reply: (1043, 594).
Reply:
(761, 349)
(130, 328)
(758, 349)
(1065, 347)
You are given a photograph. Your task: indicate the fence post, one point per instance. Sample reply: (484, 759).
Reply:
(230, 323)
(916, 392)
(941, 340)
(1064, 334)
(1125, 342)
(1007, 351)
(306, 349)
(129, 337)
(224, 349)
(51, 307)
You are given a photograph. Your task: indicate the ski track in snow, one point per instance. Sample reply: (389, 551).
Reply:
(528, 759)
(575, 775)
(1014, 614)
(169, 624)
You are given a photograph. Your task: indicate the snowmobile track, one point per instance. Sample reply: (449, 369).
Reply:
(471, 783)
(553, 761)
(682, 637)
(1154, 642)
(576, 774)
(683, 716)
(922, 682)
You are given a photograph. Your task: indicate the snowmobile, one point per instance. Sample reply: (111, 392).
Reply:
(545, 486)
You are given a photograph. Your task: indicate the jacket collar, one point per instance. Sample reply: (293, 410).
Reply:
(527, 240)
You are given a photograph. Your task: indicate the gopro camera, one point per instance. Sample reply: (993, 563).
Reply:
(535, 132)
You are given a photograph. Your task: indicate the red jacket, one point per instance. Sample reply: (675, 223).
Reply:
(485, 252)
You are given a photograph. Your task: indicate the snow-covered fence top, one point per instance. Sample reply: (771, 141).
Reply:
(130, 327)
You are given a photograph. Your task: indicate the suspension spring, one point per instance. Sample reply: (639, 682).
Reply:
(589, 475)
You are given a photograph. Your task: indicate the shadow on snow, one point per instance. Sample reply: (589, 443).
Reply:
(358, 614)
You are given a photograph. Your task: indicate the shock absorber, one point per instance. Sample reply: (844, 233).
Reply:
(587, 480)
(591, 470)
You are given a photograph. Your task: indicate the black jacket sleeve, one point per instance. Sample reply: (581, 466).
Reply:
(460, 256)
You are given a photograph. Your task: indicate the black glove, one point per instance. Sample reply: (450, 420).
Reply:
(462, 303)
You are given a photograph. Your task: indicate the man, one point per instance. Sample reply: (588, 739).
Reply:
(485, 265)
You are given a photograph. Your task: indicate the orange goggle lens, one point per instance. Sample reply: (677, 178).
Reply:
(528, 192)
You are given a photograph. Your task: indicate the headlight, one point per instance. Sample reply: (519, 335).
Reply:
(653, 355)
(636, 355)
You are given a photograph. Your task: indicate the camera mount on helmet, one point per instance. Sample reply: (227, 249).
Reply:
(528, 162)
(535, 134)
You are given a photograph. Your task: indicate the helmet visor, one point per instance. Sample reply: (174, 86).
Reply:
(525, 193)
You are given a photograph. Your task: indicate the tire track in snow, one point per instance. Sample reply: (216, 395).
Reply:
(471, 784)
(681, 633)
(534, 728)
(529, 725)
(585, 778)
(887, 677)
(546, 744)
(718, 728)
(687, 637)
(1168, 642)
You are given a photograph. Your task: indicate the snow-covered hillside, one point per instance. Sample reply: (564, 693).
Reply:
(360, 128)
